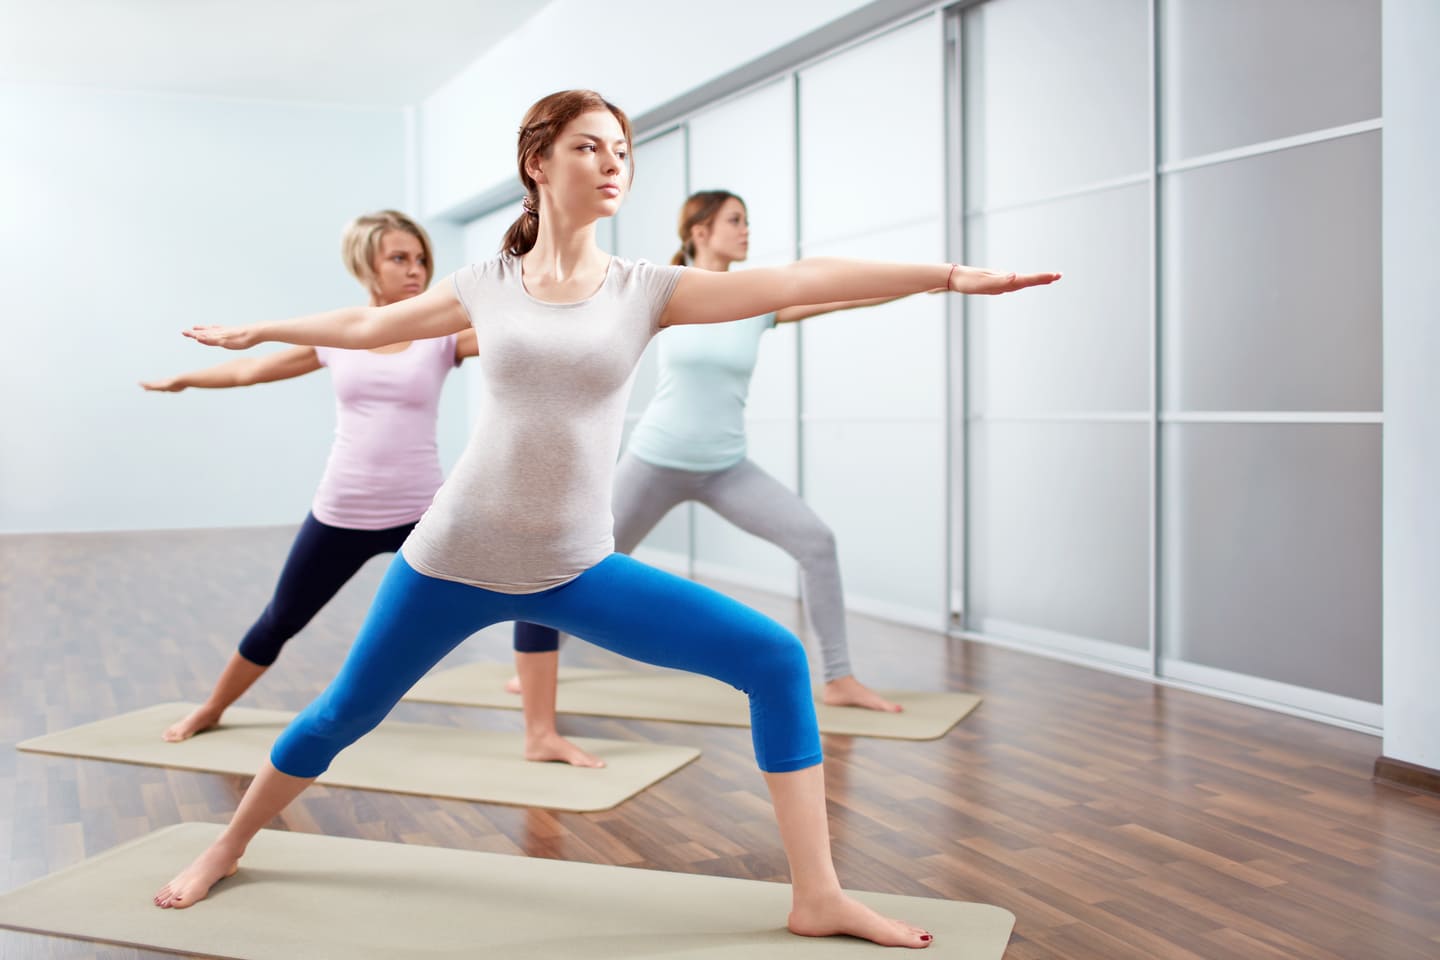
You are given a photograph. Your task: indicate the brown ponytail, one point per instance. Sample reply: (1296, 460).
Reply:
(699, 210)
(543, 124)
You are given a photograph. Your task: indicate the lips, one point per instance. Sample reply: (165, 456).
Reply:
(610, 189)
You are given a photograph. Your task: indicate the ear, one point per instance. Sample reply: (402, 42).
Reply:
(532, 167)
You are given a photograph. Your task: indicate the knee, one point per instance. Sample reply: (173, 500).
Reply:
(307, 746)
(779, 657)
(817, 545)
(533, 638)
(262, 642)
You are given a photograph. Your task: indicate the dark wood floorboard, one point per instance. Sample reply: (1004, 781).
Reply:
(1115, 818)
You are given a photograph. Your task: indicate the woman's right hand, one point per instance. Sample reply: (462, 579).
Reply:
(168, 385)
(231, 338)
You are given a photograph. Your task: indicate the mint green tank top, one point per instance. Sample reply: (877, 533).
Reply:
(696, 421)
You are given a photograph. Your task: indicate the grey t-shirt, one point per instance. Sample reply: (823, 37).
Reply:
(527, 506)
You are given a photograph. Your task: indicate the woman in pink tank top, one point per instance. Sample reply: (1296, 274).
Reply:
(384, 466)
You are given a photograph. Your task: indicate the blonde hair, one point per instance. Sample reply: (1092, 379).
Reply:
(360, 242)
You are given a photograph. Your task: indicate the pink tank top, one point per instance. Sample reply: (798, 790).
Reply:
(384, 467)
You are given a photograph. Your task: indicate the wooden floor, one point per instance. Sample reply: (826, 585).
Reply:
(1116, 819)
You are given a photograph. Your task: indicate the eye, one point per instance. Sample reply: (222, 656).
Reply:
(588, 146)
(623, 155)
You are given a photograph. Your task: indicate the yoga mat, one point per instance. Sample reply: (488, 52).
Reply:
(415, 758)
(317, 897)
(688, 698)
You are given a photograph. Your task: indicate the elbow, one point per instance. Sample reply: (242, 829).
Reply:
(365, 332)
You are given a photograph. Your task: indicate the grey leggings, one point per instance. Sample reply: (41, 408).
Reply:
(755, 502)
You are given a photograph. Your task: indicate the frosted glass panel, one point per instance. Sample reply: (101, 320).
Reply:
(724, 550)
(1237, 72)
(872, 126)
(1056, 96)
(747, 146)
(484, 234)
(1059, 529)
(1271, 276)
(644, 229)
(645, 225)
(886, 361)
(881, 488)
(1272, 552)
(1083, 344)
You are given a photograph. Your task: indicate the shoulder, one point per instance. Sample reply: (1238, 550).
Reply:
(645, 275)
(477, 279)
(494, 268)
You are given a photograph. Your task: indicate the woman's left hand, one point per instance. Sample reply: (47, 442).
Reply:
(965, 279)
(231, 338)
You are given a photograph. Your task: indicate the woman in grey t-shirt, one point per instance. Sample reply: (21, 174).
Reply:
(521, 529)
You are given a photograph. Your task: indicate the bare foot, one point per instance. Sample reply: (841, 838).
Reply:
(202, 718)
(192, 884)
(838, 915)
(849, 692)
(512, 685)
(553, 747)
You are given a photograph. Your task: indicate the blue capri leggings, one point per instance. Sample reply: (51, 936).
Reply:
(619, 604)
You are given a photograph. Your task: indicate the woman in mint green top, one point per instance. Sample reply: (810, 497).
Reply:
(690, 446)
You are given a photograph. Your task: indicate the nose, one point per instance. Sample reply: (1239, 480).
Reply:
(613, 163)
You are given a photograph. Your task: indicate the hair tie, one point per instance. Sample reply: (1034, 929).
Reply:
(525, 205)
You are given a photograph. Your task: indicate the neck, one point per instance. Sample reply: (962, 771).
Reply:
(564, 246)
(706, 260)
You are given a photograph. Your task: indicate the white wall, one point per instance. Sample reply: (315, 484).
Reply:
(1411, 241)
(130, 216)
(637, 53)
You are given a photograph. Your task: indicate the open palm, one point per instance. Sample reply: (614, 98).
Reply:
(976, 280)
(231, 338)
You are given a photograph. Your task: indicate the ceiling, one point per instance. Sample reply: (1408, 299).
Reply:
(356, 52)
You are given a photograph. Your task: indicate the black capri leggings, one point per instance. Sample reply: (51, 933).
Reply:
(322, 559)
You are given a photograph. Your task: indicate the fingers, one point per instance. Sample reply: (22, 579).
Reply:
(1006, 283)
(209, 336)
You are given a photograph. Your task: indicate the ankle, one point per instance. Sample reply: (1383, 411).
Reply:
(228, 847)
(816, 890)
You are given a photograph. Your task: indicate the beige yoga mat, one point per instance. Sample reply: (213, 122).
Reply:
(330, 898)
(688, 698)
(416, 758)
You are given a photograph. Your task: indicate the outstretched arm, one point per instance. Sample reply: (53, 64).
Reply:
(295, 362)
(805, 312)
(705, 296)
(434, 313)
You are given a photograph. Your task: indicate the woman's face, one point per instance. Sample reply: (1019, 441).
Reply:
(727, 236)
(399, 266)
(587, 173)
